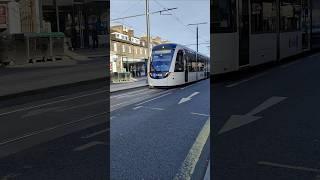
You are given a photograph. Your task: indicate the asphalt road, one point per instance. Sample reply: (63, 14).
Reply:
(56, 135)
(154, 137)
(64, 134)
(266, 125)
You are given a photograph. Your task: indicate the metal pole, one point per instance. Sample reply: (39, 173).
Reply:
(197, 38)
(57, 15)
(148, 36)
(40, 3)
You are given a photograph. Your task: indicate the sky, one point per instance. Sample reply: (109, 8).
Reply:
(169, 27)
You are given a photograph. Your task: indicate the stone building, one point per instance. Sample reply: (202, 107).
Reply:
(128, 53)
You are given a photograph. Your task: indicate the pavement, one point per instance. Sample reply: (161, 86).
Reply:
(29, 78)
(266, 124)
(135, 83)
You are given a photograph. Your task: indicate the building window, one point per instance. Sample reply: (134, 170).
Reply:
(123, 48)
(145, 51)
(140, 50)
(115, 46)
(136, 50)
(129, 49)
(263, 16)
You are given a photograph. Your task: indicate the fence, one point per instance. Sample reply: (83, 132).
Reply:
(120, 77)
(32, 47)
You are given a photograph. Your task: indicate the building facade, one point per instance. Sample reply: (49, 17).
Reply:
(128, 53)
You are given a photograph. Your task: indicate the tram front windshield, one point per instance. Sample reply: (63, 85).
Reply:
(161, 60)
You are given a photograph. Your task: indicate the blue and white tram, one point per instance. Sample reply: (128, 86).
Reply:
(174, 64)
(247, 33)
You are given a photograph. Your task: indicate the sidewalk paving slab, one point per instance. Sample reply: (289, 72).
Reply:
(115, 87)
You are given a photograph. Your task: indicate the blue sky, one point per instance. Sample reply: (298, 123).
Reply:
(170, 27)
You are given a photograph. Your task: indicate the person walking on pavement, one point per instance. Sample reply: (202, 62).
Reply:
(73, 38)
(95, 41)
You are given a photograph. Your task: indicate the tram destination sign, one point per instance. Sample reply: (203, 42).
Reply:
(162, 51)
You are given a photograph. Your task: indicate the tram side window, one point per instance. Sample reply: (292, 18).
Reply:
(263, 16)
(179, 66)
(290, 11)
(224, 16)
(202, 64)
(192, 62)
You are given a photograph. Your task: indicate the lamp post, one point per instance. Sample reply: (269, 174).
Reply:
(148, 36)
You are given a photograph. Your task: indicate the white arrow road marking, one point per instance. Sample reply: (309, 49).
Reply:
(236, 121)
(183, 100)
(88, 145)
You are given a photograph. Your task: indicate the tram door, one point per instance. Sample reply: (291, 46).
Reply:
(243, 32)
(186, 74)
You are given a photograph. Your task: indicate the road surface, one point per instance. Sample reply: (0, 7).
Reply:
(266, 125)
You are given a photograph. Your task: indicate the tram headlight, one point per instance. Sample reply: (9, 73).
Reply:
(166, 74)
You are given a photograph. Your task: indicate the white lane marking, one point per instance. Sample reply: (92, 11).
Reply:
(50, 129)
(39, 111)
(315, 55)
(236, 121)
(82, 105)
(207, 175)
(138, 107)
(94, 134)
(153, 99)
(245, 80)
(188, 86)
(300, 168)
(132, 93)
(183, 100)
(51, 103)
(159, 109)
(199, 114)
(189, 164)
(10, 176)
(88, 145)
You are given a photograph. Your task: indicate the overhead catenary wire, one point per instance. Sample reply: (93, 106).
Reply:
(130, 7)
(180, 21)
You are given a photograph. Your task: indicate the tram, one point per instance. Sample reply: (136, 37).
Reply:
(247, 33)
(173, 64)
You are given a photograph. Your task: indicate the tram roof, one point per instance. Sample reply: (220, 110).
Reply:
(174, 45)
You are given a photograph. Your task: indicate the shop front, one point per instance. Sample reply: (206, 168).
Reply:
(78, 19)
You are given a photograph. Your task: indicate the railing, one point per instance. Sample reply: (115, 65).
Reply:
(120, 77)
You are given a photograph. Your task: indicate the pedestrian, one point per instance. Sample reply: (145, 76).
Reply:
(73, 38)
(134, 71)
(95, 38)
(139, 71)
